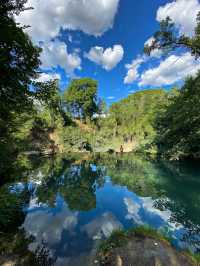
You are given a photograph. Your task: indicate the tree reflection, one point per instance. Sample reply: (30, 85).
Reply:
(80, 184)
(76, 183)
(173, 186)
(181, 182)
(14, 251)
(14, 242)
(133, 172)
(163, 186)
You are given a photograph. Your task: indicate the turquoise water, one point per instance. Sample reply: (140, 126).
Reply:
(73, 203)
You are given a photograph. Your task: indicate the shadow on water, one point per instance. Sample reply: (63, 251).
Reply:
(61, 208)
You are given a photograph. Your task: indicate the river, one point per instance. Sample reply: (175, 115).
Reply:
(62, 207)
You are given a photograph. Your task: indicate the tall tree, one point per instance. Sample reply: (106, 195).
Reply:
(179, 125)
(81, 98)
(19, 61)
(48, 93)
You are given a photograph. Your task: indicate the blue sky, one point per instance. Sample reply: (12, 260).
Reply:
(104, 40)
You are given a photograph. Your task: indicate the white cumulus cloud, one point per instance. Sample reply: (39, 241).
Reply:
(111, 97)
(171, 70)
(183, 13)
(132, 73)
(93, 17)
(107, 58)
(55, 54)
(44, 77)
(133, 68)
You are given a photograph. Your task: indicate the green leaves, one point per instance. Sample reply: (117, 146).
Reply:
(19, 62)
(135, 115)
(179, 125)
(81, 98)
(167, 39)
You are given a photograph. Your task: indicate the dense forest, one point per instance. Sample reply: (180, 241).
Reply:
(38, 117)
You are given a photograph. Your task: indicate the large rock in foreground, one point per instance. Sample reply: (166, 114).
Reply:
(142, 250)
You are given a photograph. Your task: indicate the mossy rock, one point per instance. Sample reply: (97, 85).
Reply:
(141, 247)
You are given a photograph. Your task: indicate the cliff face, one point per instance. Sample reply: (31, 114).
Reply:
(56, 142)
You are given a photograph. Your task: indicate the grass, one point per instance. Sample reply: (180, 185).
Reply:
(120, 237)
(117, 239)
(194, 257)
(146, 231)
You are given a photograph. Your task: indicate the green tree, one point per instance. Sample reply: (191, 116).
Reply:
(81, 98)
(179, 125)
(167, 39)
(19, 61)
(134, 116)
(48, 93)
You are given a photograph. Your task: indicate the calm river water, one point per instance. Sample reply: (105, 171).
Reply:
(63, 208)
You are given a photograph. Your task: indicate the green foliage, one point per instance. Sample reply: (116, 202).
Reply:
(121, 237)
(11, 206)
(30, 110)
(147, 231)
(19, 61)
(132, 171)
(31, 131)
(81, 98)
(15, 247)
(77, 184)
(153, 119)
(48, 94)
(135, 114)
(75, 139)
(179, 126)
(132, 119)
(34, 116)
(117, 239)
(167, 39)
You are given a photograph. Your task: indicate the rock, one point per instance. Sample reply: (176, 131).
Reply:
(143, 251)
(118, 261)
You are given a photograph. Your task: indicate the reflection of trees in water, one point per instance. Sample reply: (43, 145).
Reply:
(181, 183)
(12, 202)
(77, 184)
(80, 184)
(133, 172)
(16, 250)
(42, 257)
(179, 215)
(174, 186)
(14, 197)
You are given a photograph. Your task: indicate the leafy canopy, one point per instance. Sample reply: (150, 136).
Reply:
(81, 98)
(19, 62)
(19, 58)
(135, 115)
(179, 125)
